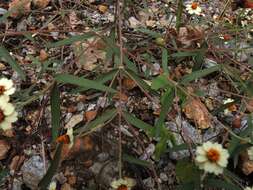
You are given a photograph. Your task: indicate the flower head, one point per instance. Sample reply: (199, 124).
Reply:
(211, 157)
(248, 188)
(8, 114)
(193, 8)
(123, 184)
(6, 87)
(250, 153)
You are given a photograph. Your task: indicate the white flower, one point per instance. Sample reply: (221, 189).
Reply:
(8, 114)
(71, 136)
(211, 157)
(123, 184)
(193, 8)
(52, 186)
(250, 153)
(248, 188)
(6, 87)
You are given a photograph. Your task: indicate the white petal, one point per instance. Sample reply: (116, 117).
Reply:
(6, 83)
(5, 125)
(207, 145)
(12, 118)
(8, 109)
(201, 158)
(200, 151)
(10, 91)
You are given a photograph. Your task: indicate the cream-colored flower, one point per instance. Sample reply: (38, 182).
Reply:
(8, 115)
(6, 87)
(71, 136)
(123, 184)
(248, 188)
(193, 8)
(211, 157)
(250, 153)
(52, 186)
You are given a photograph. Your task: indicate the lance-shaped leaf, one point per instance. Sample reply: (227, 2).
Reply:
(82, 82)
(55, 111)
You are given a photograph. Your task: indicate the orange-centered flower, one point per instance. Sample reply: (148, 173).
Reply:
(194, 5)
(122, 187)
(213, 155)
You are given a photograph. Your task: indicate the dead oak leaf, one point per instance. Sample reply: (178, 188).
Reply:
(195, 110)
(19, 8)
(41, 3)
(89, 53)
(188, 36)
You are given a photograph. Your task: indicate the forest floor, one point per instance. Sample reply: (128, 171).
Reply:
(109, 89)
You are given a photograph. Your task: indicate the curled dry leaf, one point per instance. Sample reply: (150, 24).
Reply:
(90, 115)
(19, 7)
(120, 96)
(187, 36)
(102, 8)
(81, 144)
(89, 53)
(41, 3)
(43, 55)
(194, 109)
(4, 148)
(128, 83)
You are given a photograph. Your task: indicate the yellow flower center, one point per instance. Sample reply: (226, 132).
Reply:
(213, 155)
(1, 116)
(194, 5)
(122, 187)
(2, 89)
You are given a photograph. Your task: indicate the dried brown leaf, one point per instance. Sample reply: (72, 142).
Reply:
(19, 7)
(195, 110)
(41, 3)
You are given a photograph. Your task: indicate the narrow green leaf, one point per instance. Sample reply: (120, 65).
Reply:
(82, 82)
(160, 82)
(149, 32)
(15, 66)
(218, 183)
(70, 40)
(103, 78)
(166, 103)
(98, 122)
(138, 123)
(165, 60)
(198, 74)
(161, 147)
(137, 161)
(55, 111)
(43, 184)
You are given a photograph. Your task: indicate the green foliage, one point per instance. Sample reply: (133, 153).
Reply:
(188, 174)
(82, 82)
(55, 111)
(15, 66)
